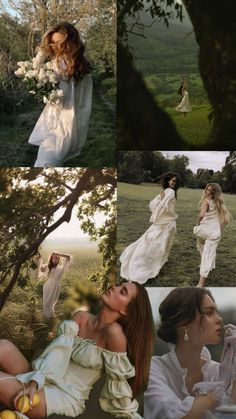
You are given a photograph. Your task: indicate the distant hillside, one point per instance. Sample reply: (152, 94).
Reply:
(165, 50)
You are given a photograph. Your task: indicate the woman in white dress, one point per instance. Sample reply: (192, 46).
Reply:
(144, 258)
(53, 270)
(116, 344)
(185, 382)
(61, 130)
(184, 106)
(212, 219)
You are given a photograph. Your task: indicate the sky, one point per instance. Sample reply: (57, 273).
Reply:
(213, 160)
(224, 297)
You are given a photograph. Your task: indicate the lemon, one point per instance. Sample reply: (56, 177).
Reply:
(23, 404)
(7, 414)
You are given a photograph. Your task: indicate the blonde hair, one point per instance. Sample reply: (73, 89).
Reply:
(222, 211)
(72, 50)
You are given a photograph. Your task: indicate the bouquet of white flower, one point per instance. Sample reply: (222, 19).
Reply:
(41, 81)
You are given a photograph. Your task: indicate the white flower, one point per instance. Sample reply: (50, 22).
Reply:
(31, 74)
(20, 72)
(32, 92)
(53, 78)
(60, 93)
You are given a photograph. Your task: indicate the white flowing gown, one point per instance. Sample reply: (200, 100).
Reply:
(61, 130)
(208, 234)
(184, 105)
(51, 288)
(144, 258)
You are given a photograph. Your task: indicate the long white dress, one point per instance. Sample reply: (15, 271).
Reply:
(51, 288)
(61, 130)
(208, 234)
(167, 396)
(144, 258)
(69, 367)
(184, 105)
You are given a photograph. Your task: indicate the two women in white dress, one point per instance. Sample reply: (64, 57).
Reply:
(184, 107)
(144, 258)
(53, 270)
(185, 382)
(61, 130)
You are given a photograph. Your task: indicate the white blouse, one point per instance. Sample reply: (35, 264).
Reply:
(167, 396)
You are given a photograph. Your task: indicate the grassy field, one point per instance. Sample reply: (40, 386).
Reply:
(98, 151)
(22, 319)
(182, 268)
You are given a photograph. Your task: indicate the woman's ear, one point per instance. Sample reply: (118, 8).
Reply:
(123, 312)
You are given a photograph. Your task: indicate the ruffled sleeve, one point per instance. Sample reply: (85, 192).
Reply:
(116, 396)
(53, 362)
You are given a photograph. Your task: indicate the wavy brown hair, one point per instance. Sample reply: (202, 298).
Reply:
(139, 330)
(71, 51)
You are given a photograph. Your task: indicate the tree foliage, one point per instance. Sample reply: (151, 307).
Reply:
(29, 199)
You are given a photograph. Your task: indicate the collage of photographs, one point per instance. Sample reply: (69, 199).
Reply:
(117, 209)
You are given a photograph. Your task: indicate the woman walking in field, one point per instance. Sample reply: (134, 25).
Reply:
(116, 344)
(144, 258)
(184, 106)
(53, 270)
(61, 130)
(212, 219)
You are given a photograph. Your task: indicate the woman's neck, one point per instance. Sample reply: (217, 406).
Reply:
(105, 317)
(189, 356)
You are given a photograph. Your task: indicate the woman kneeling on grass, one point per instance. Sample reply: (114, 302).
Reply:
(117, 342)
(185, 382)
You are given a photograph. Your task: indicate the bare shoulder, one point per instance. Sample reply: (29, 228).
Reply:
(116, 340)
(81, 317)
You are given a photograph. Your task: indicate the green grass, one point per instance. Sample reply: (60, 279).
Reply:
(182, 268)
(22, 319)
(98, 151)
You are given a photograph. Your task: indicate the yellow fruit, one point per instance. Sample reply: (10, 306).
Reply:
(23, 404)
(7, 414)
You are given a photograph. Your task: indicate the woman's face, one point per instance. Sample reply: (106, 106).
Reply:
(208, 193)
(55, 259)
(206, 328)
(117, 298)
(172, 182)
(57, 40)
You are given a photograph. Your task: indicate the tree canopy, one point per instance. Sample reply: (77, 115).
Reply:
(29, 199)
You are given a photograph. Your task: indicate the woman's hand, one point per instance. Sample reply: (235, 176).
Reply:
(30, 390)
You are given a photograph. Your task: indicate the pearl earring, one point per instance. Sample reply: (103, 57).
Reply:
(186, 337)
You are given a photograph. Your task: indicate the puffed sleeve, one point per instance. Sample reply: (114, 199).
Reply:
(160, 401)
(116, 396)
(53, 362)
(42, 271)
(162, 205)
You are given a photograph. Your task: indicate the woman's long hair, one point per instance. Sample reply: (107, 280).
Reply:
(223, 213)
(71, 51)
(166, 177)
(51, 264)
(139, 330)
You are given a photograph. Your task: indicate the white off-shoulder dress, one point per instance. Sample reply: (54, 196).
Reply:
(70, 366)
(144, 258)
(208, 234)
(61, 130)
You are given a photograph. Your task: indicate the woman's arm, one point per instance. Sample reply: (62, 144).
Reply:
(62, 255)
(203, 210)
(200, 405)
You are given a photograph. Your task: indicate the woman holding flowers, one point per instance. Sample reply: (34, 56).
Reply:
(61, 130)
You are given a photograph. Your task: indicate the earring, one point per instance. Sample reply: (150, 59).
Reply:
(186, 337)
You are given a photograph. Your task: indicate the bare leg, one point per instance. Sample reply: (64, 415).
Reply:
(9, 387)
(201, 282)
(11, 359)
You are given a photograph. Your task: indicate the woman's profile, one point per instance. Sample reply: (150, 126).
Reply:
(144, 258)
(184, 107)
(61, 130)
(117, 344)
(186, 382)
